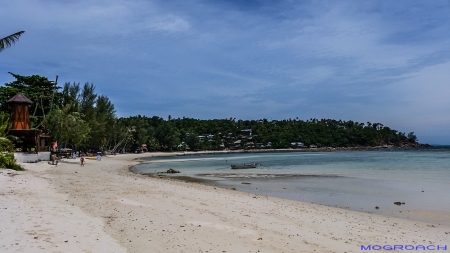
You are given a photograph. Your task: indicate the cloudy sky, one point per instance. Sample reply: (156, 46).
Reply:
(377, 61)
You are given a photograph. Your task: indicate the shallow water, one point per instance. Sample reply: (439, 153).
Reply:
(357, 180)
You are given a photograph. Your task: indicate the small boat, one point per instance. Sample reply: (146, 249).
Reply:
(91, 158)
(245, 166)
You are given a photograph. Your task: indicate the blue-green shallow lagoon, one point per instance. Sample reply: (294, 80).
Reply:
(356, 180)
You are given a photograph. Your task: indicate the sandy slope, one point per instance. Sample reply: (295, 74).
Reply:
(103, 207)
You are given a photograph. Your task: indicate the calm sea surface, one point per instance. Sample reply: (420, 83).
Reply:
(356, 180)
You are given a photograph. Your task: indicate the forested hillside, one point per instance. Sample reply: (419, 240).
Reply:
(78, 118)
(216, 134)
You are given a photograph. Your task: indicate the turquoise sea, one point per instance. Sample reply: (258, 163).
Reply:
(356, 180)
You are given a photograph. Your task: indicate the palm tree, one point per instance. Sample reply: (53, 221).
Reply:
(9, 40)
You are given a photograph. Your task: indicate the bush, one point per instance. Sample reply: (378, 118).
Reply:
(6, 145)
(7, 160)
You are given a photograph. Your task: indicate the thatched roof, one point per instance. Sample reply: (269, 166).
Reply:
(20, 98)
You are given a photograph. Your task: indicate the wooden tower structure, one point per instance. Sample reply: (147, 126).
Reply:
(29, 140)
(20, 116)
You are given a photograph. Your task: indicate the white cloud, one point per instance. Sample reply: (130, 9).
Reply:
(93, 18)
(424, 97)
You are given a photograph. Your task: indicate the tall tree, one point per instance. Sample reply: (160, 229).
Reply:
(67, 127)
(101, 124)
(70, 95)
(96, 110)
(8, 41)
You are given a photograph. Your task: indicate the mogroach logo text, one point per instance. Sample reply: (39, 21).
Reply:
(403, 247)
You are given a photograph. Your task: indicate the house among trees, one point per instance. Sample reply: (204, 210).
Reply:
(30, 144)
(298, 144)
(237, 144)
(246, 132)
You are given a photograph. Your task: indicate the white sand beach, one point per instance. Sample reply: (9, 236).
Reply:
(103, 207)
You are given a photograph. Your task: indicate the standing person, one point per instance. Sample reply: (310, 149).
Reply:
(82, 161)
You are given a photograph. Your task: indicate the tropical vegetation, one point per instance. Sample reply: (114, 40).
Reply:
(217, 134)
(79, 118)
(9, 40)
(7, 159)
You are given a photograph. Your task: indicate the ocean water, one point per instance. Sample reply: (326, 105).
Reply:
(355, 180)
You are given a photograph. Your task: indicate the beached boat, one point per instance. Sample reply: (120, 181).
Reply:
(245, 166)
(91, 158)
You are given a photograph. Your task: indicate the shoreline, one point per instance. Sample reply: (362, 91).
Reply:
(413, 211)
(105, 207)
(324, 149)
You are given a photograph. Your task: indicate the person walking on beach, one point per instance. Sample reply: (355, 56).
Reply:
(53, 159)
(82, 161)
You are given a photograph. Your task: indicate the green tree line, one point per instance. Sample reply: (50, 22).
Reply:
(79, 118)
(216, 134)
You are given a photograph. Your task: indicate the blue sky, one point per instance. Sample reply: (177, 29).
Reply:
(377, 61)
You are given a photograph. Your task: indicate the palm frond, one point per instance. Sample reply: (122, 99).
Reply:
(9, 40)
